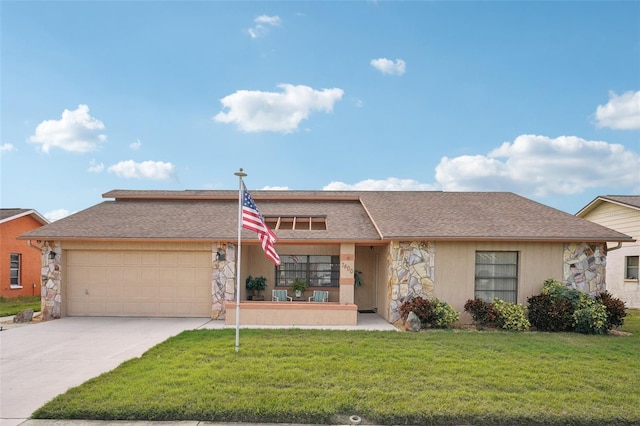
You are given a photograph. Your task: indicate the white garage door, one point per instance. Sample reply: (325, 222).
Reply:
(138, 283)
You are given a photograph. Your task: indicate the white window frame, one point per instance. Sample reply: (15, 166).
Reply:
(15, 270)
(631, 268)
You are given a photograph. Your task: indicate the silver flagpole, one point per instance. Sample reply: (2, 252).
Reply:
(240, 175)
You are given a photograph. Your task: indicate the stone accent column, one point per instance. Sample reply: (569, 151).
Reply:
(585, 266)
(411, 268)
(51, 281)
(347, 268)
(223, 278)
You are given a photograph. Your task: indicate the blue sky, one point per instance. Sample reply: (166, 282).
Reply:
(538, 98)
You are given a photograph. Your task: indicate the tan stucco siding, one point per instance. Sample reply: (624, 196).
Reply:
(455, 268)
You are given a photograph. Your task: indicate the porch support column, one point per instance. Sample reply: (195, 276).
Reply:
(347, 260)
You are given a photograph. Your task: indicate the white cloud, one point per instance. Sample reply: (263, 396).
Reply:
(263, 23)
(94, 167)
(135, 145)
(275, 188)
(540, 166)
(58, 214)
(76, 131)
(621, 112)
(7, 147)
(255, 111)
(154, 170)
(389, 184)
(387, 66)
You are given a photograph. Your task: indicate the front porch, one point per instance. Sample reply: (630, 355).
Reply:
(292, 313)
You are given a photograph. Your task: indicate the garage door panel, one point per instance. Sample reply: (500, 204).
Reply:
(150, 259)
(131, 275)
(167, 275)
(113, 258)
(113, 292)
(138, 283)
(168, 259)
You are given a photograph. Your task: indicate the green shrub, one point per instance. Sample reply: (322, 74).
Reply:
(482, 312)
(548, 315)
(445, 314)
(616, 310)
(559, 291)
(432, 312)
(590, 317)
(511, 316)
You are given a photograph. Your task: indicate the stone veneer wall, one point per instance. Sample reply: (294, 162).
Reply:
(51, 280)
(585, 266)
(411, 267)
(223, 278)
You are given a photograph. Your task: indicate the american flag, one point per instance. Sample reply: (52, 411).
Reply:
(253, 221)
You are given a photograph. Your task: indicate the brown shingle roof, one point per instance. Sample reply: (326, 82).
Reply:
(351, 216)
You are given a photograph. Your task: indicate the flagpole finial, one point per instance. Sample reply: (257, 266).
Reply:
(240, 173)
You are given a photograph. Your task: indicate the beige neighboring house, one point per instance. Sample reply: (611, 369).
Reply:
(622, 213)
(174, 253)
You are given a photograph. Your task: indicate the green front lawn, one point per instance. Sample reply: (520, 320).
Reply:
(427, 378)
(11, 306)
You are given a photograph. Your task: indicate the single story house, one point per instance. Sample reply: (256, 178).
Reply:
(622, 213)
(20, 265)
(174, 253)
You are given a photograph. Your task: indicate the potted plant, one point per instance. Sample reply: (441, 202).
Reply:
(255, 285)
(298, 286)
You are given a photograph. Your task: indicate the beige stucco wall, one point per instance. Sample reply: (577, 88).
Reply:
(455, 268)
(293, 313)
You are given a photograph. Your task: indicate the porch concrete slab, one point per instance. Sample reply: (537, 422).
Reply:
(43, 360)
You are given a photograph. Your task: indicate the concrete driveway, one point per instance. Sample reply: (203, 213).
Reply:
(42, 360)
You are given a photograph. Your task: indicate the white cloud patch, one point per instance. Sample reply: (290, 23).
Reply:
(276, 188)
(387, 66)
(57, 214)
(154, 170)
(389, 184)
(76, 131)
(621, 112)
(7, 147)
(540, 166)
(135, 145)
(256, 111)
(263, 25)
(95, 167)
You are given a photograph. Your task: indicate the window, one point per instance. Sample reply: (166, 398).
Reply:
(297, 223)
(317, 271)
(14, 269)
(631, 267)
(496, 275)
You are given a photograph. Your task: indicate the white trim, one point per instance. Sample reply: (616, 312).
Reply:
(37, 216)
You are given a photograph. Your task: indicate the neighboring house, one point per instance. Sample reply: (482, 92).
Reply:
(20, 267)
(173, 253)
(622, 213)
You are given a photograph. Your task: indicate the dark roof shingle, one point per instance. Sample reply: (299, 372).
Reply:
(350, 215)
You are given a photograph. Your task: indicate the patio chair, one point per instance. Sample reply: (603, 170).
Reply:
(319, 296)
(280, 296)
